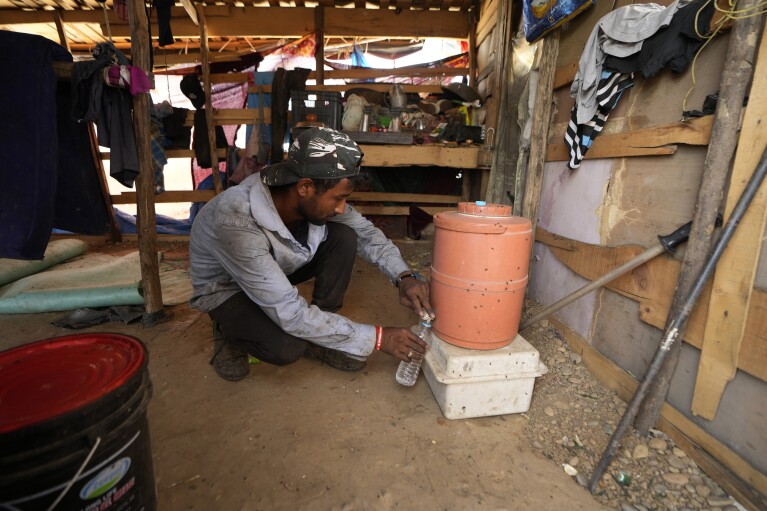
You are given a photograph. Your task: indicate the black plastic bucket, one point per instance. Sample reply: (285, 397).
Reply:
(73, 425)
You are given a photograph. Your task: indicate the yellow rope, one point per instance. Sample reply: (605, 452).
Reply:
(729, 14)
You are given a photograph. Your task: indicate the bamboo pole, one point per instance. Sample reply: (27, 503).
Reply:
(146, 219)
(736, 76)
(209, 115)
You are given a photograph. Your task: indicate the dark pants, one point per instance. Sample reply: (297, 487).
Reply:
(245, 325)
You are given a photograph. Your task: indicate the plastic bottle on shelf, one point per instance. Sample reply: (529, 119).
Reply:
(407, 372)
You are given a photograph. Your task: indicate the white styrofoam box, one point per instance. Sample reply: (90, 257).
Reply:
(455, 362)
(463, 397)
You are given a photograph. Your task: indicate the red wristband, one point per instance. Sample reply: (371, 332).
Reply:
(379, 337)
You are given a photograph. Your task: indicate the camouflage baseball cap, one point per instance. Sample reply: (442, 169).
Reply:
(317, 153)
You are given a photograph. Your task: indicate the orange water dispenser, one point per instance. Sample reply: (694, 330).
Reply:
(479, 274)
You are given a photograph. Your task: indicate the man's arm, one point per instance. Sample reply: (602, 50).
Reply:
(377, 249)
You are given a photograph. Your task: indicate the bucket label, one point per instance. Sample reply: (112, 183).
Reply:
(105, 480)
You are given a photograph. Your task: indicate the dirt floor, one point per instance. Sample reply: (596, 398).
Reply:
(310, 437)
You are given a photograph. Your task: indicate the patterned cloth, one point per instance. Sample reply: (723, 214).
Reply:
(579, 137)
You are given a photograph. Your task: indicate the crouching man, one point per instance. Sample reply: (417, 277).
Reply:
(253, 243)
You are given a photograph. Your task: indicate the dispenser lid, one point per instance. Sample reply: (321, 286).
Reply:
(482, 208)
(481, 217)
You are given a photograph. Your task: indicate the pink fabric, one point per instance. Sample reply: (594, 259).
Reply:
(224, 95)
(139, 81)
(127, 77)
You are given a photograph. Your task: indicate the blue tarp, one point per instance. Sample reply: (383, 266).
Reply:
(165, 224)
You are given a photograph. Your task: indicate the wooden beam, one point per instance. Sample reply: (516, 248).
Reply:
(146, 219)
(464, 157)
(404, 197)
(360, 74)
(736, 270)
(565, 74)
(654, 141)
(488, 22)
(488, 15)
(403, 72)
(168, 197)
(392, 23)
(653, 285)
(233, 116)
(733, 473)
(531, 200)
(207, 88)
(60, 29)
(299, 21)
(379, 87)
(114, 230)
(176, 196)
(173, 153)
(96, 16)
(397, 210)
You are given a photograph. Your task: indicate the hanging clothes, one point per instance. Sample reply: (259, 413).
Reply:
(641, 38)
(111, 108)
(620, 33)
(671, 47)
(29, 151)
(163, 22)
(579, 137)
(283, 84)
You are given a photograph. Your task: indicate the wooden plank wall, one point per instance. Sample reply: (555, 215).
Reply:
(486, 58)
(633, 199)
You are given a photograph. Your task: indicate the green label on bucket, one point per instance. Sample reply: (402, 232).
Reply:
(105, 480)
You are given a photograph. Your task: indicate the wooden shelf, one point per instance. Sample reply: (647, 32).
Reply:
(454, 157)
(171, 196)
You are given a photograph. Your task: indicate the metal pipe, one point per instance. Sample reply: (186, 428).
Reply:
(671, 335)
(666, 243)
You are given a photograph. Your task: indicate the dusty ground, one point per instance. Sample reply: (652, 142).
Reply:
(309, 437)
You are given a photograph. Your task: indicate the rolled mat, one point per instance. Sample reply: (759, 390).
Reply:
(58, 251)
(94, 281)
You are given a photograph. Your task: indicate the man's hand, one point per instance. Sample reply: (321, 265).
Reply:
(414, 293)
(401, 343)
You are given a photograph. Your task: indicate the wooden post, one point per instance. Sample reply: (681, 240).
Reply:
(501, 91)
(319, 44)
(547, 63)
(146, 219)
(736, 271)
(735, 78)
(206, 85)
(114, 231)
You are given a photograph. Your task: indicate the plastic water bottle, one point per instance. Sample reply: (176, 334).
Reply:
(407, 372)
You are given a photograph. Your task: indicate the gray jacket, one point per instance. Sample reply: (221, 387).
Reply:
(239, 243)
(619, 33)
